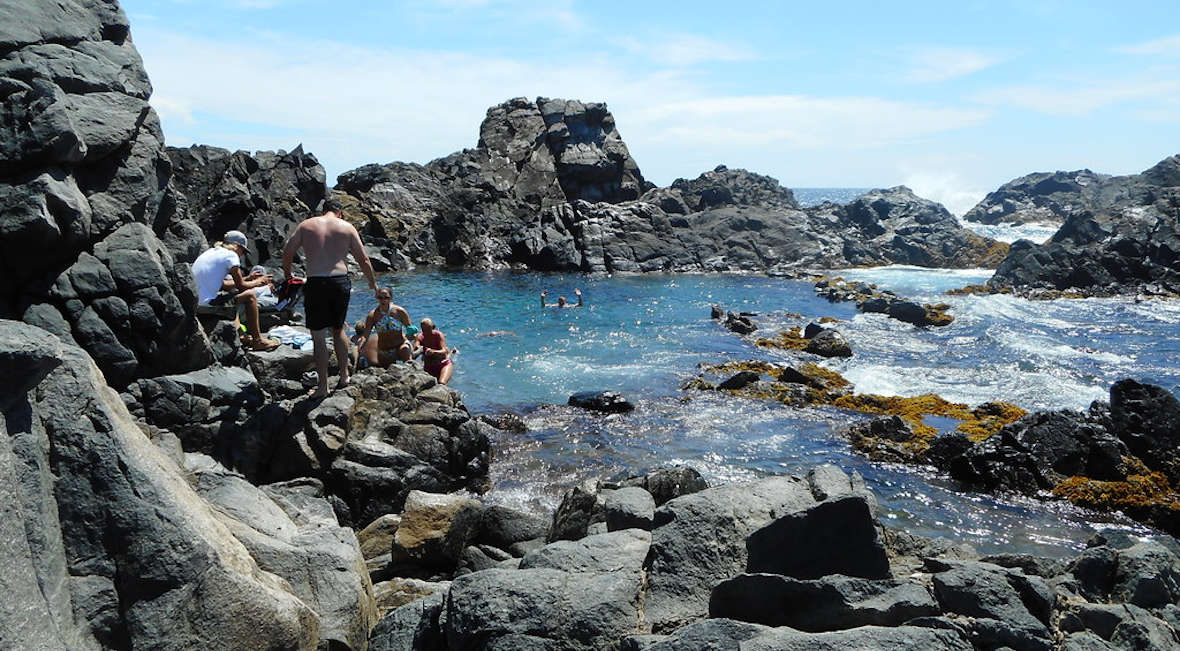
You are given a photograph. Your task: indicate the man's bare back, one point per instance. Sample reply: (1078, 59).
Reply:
(326, 241)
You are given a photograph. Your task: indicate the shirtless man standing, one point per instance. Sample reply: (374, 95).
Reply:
(326, 241)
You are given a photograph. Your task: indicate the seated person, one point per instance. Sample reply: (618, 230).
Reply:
(436, 357)
(218, 274)
(561, 300)
(385, 341)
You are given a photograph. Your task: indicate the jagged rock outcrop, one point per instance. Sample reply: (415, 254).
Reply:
(550, 186)
(89, 242)
(1127, 241)
(468, 209)
(264, 195)
(896, 226)
(1040, 197)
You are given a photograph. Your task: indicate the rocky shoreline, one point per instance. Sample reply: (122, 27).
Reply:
(164, 488)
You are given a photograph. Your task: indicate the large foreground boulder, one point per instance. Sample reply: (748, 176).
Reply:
(128, 554)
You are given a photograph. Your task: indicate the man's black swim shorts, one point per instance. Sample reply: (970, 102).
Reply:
(326, 300)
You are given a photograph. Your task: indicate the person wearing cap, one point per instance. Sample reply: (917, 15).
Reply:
(218, 274)
(326, 240)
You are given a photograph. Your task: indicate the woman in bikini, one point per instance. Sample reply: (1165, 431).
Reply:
(436, 357)
(383, 340)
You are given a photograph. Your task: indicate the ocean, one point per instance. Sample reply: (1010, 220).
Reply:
(643, 335)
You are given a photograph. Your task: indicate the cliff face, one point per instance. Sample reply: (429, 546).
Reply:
(264, 195)
(88, 242)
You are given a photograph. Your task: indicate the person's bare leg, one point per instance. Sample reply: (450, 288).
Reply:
(319, 339)
(444, 376)
(371, 351)
(343, 358)
(249, 302)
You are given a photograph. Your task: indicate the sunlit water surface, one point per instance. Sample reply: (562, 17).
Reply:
(643, 335)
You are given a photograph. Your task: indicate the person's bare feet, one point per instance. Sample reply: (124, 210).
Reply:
(343, 382)
(264, 344)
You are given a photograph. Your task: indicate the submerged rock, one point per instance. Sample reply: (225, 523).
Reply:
(604, 401)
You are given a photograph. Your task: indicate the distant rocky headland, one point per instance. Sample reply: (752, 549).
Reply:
(163, 488)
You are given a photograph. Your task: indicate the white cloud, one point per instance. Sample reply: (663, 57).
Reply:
(934, 64)
(684, 49)
(1085, 97)
(1168, 46)
(801, 122)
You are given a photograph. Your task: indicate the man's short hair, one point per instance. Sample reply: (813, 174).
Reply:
(332, 204)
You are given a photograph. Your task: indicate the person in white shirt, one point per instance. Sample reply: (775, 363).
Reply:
(218, 274)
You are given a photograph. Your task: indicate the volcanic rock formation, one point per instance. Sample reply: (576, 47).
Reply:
(1129, 242)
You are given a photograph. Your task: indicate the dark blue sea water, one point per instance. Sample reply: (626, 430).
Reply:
(807, 197)
(643, 335)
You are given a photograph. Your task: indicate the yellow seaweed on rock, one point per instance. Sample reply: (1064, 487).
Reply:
(787, 339)
(1136, 492)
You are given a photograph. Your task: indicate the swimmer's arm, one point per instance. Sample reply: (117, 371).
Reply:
(579, 293)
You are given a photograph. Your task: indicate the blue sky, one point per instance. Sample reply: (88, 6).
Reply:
(950, 98)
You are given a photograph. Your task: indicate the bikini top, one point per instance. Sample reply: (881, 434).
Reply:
(387, 324)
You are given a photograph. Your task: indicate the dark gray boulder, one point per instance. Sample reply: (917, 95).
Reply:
(615, 551)
(629, 507)
(580, 507)
(1007, 607)
(1147, 419)
(836, 536)
(1039, 451)
(829, 343)
(739, 380)
(683, 564)
(604, 401)
(728, 634)
(411, 627)
(667, 483)
(541, 608)
(828, 604)
(504, 527)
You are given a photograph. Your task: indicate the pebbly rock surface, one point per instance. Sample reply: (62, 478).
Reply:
(1127, 242)
(90, 243)
(264, 195)
(1039, 198)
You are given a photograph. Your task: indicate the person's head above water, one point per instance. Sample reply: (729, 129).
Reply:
(427, 325)
(384, 294)
(561, 301)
